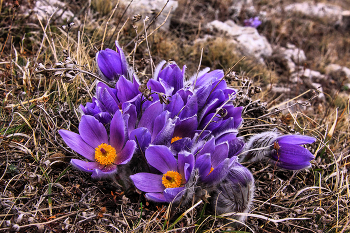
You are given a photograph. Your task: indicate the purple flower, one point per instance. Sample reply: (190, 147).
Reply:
(112, 64)
(110, 100)
(252, 22)
(286, 151)
(103, 153)
(289, 154)
(235, 193)
(171, 184)
(168, 80)
(212, 161)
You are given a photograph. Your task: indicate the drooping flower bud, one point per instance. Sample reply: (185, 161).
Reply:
(285, 151)
(235, 193)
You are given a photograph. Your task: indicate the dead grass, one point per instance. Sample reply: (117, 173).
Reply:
(40, 192)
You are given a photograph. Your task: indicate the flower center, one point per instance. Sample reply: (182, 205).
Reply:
(174, 139)
(105, 154)
(171, 179)
(211, 169)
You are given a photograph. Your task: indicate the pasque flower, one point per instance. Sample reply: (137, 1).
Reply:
(103, 153)
(170, 185)
(252, 22)
(286, 151)
(235, 193)
(112, 64)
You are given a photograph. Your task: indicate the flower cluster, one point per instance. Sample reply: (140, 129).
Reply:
(177, 136)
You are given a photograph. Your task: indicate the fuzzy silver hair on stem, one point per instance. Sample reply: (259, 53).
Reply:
(235, 193)
(259, 147)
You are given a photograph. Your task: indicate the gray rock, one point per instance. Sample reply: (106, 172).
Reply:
(331, 68)
(313, 9)
(247, 39)
(311, 75)
(238, 5)
(289, 56)
(45, 8)
(146, 7)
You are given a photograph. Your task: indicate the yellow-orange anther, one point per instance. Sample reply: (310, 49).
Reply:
(172, 179)
(174, 139)
(105, 154)
(211, 169)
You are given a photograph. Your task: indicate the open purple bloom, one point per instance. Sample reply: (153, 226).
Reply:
(252, 22)
(103, 153)
(170, 185)
(112, 64)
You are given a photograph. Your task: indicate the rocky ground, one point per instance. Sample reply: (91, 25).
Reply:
(292, 70)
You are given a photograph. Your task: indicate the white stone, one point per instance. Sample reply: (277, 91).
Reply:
(247, 39)
(146, 7)
(311, 75)
(291, 55)
(335, 67)
(45, 8)
(313, 9)
(276, 89)
(318, 87)
(238, 5)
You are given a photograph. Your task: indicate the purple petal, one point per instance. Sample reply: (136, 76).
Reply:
(186, 127)
(220, 154)
(210, 77)
(190, 109)
(85, 166)
(165, 135)
(203, 164)
(296, 139)
(185, 94)
(155, 86)
(101, 87)
(219, 173)
(208, 147)
(109, 64)
(142, 137)
(150, 114)
(148, 182)
(92, 131)
(156, 197)
(175, 105)
(210, 123)
(240, 174)
(117, 132)
(126, 154)
(236, 113)
(130, 110)
(161, 158)
(158, 69)
(174, 77)
(124, 63)
(126, 89)
(106, 172)
(103, 117)
(183, 159)
(108, 101)
(76, 143)
(293, 156)
(174, 194)
(202, 95)
(159, 123)
(182, 144)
